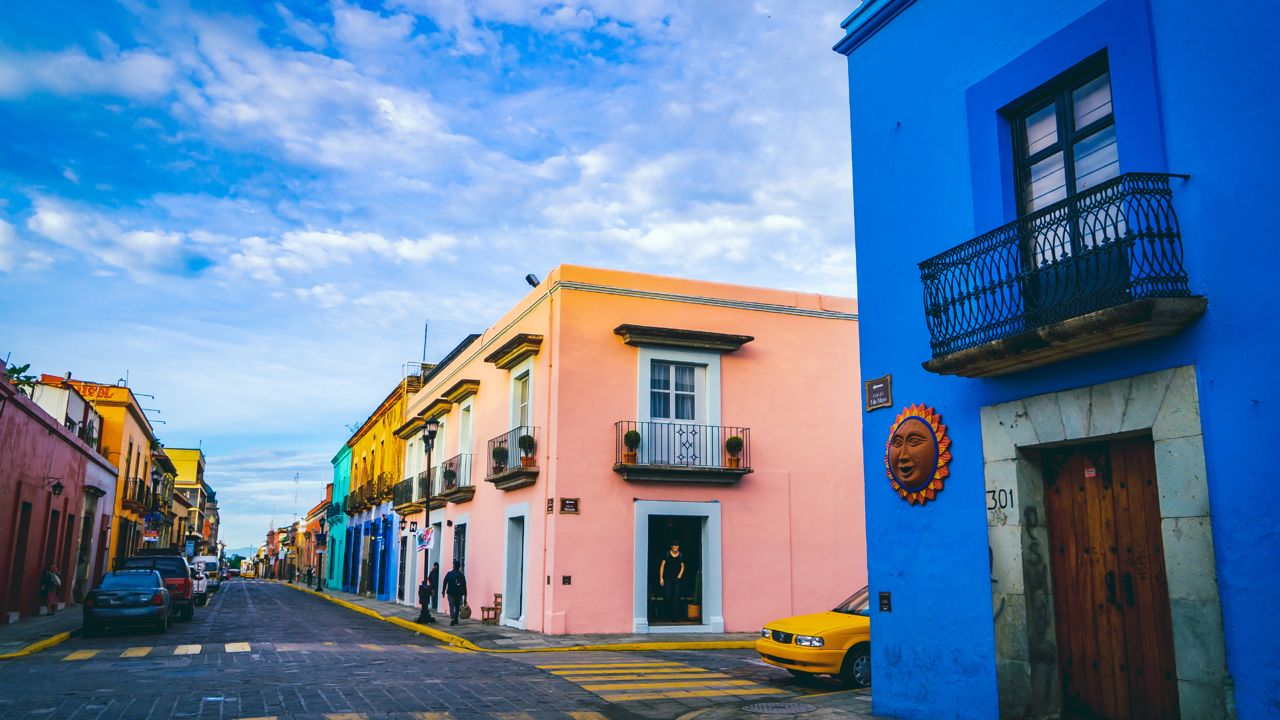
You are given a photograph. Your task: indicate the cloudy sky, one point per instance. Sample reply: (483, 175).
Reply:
(251, 208)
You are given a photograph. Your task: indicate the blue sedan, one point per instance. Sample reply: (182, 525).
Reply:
(128, 597)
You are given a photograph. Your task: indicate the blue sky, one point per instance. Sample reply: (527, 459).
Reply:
(252, 207)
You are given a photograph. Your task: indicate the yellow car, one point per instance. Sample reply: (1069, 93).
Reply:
(247, 574)
(836, 643)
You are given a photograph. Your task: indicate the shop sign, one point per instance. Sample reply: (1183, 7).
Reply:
(191, 547)
(569, 506)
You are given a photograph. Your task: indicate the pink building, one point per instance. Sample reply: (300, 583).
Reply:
(572, 529)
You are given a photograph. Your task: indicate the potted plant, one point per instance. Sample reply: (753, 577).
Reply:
(527, 446)
(632, 440)
(499, 459)
(733, 446)
(695, 607)
(450, 475)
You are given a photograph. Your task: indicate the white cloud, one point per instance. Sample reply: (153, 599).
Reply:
(138, 73)
(303, 251)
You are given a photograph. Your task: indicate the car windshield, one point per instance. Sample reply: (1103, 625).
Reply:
(130, 580)
(856, 605)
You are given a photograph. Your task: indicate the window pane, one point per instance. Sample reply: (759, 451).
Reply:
(684, 407)
(659, 405)
(684, 378)
(1046, 183)
(1041, 130)
(660, 376)
(1092, 102)
(1097, 159)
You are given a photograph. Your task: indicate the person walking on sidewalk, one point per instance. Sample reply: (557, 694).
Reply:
(425, 591)
(669, 574)
(50, 583)
(455, 586)
(433, 579)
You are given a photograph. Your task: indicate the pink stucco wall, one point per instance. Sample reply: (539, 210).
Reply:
(793, 538)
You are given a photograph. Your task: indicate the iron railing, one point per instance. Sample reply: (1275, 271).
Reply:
(680, 444)
(424, 485)
(139, 495)
(510, 451)
(402, 493)
(456, 472)
(335, 509)
(1112, 244)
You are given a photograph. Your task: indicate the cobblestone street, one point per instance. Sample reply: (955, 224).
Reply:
(261, 649)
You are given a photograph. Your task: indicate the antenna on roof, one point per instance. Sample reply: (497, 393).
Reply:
(425, 327)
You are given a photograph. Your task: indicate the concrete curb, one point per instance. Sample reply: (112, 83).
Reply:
(45, 644)
(466, 644)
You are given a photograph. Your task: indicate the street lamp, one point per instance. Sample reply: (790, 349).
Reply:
(429, 430)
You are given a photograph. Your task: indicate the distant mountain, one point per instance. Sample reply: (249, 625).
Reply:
(245, 551)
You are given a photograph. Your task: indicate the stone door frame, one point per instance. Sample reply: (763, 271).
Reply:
(1166, 405)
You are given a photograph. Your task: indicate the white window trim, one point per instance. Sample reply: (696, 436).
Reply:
(519, 510)
(712, 605)
(468, 409)
(709, 412)
(513, 421)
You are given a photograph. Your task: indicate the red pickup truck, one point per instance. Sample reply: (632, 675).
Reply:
(177, 579)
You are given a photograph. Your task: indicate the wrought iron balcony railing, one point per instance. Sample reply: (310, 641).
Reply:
(402, 493)
(423, 485)
(505, 451)
(456, 472)
(683, 445)
(1113, 244)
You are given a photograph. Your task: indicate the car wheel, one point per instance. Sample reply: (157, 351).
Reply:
(188, 612)
(856, 670)
(800, 674)
(162, 626)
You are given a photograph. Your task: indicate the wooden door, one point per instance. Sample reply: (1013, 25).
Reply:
(1111, 601)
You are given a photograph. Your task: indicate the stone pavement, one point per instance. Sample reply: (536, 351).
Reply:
(31, 630)
(500, 637)
(843, 705)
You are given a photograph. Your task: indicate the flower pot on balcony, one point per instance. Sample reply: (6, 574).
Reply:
(628, 458)
(526, 461)
(733, 462)
(499, 469)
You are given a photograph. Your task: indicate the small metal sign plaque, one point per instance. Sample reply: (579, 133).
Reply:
(886, 604)
(568, 506)
(551, 505)
(879, 393)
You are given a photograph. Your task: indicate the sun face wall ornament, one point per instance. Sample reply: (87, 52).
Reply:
(917, 454)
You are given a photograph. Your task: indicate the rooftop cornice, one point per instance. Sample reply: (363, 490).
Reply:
(866, 21)
(515, 351)
(678, 338)
(462, 390)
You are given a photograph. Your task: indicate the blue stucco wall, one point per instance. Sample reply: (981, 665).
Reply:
(1196, 89)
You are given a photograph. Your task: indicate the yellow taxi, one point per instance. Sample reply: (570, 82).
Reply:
(247, 574)
(836, 643)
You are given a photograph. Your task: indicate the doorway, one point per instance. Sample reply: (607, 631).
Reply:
(19, 571)
(460, 546)
(513, 582)
(404, 558)
(1110, 591)
(675, 599)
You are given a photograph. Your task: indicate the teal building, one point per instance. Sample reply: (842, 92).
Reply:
(337, 519)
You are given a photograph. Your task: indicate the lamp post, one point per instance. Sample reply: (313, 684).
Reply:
(429, 430)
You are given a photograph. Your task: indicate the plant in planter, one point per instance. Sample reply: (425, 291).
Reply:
(527, 446)
(450, 477)
(499, 459)
(632, 440)
(733, 446)
(695, 607)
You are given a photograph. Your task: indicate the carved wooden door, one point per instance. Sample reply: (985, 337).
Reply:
(1111, 601)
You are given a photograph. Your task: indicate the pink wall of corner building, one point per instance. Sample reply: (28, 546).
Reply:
(793, 537)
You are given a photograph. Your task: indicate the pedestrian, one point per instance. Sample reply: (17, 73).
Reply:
(424, 599)
(669, 574)
(433, 579)
(455, 586)
(310, 573)
(50, 583)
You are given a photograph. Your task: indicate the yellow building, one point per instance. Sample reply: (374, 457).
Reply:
(191, 484)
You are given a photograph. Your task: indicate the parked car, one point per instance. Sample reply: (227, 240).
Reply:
(209, 565)
(248, 574)
(128, 597)
(177, 578)
(200, 587)
(233, 572)
(836, 643)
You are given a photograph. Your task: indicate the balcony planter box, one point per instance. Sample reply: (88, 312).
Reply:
(628, 458)
(526, 461)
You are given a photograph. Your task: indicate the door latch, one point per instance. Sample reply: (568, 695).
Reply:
(1111, 587)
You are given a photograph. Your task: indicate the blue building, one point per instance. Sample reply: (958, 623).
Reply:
(337, 560)
(1064, 248)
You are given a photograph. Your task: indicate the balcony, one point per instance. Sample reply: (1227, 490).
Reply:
(335, 509)
(429, 490)
(1093, 272)
(403, 498)
(138, 496)
(684, 453)
(455, 474)
(511, 466)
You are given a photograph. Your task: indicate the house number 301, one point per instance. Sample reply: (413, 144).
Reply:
(1000, 499)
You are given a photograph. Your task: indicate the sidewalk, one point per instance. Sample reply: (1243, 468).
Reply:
(499, 637)
(844, 705)
(31, 630)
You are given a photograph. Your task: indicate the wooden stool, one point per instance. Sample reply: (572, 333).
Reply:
(491, 615)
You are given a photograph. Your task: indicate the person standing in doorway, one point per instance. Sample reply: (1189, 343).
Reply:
(50, 583)
(669, 574)
(455, 586)
(424, 599)
(433, 581)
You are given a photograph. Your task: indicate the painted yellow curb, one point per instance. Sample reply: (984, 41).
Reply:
(462, 642)
(37, 647)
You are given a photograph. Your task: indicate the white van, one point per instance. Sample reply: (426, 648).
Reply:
(208, 566)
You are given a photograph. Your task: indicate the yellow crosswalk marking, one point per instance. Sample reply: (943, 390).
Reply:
(629, 670)
(511, 716)
(187, 650)
(703, 675)
(585, 716)
(379, 648)
(691, 694)
(346, 716)
(135, 652)
(328, 643)
(647, 686)
(431, 716)
(238, 647)
(286, 648)
(266, 717)
(81, 655)
(617, 665)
